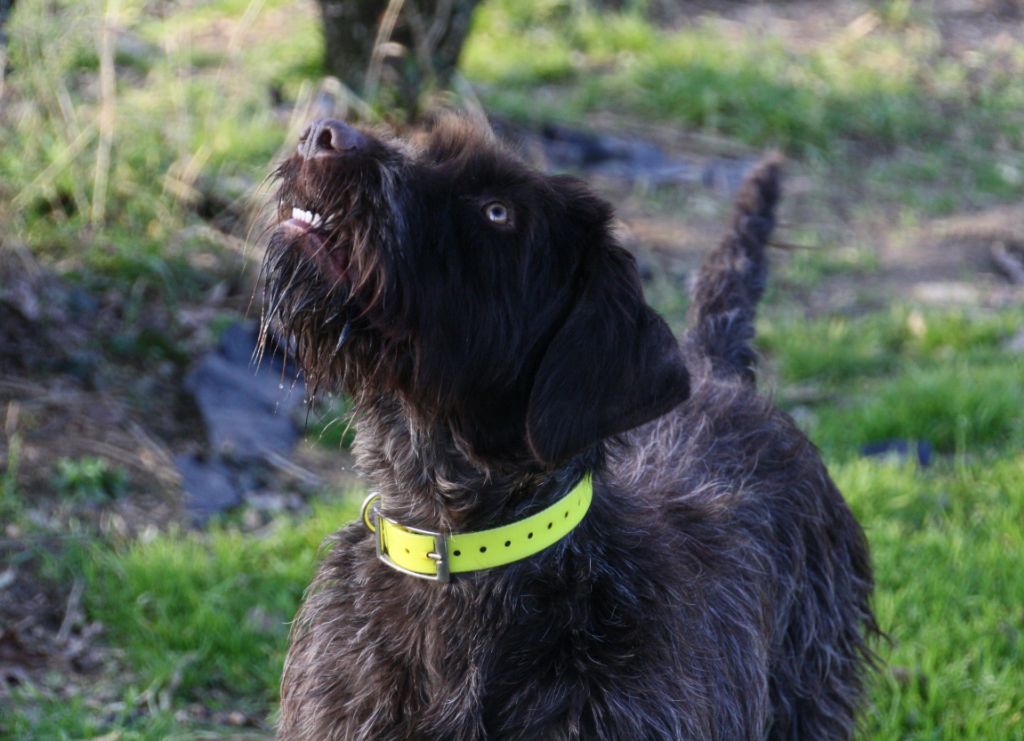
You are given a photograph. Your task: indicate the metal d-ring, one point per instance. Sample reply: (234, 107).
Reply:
(368, 509)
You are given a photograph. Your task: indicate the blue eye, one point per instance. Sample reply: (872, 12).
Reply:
(496, 212)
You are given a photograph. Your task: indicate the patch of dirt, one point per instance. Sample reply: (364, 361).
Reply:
(61, 398)
(68, 392)
(965, 26)
(955, 260)
(43, 628)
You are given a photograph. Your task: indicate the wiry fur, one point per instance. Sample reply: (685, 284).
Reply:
(732, 278)
(719, 586)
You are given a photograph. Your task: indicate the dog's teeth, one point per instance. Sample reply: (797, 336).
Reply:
(298, 213)
(316, 220)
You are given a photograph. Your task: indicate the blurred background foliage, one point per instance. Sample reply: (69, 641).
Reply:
(136, 138)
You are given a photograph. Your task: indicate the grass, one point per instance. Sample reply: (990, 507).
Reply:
(190, 111)
(10, 502)
(208, 613)
(948, 551)
(837, 349)
(956, 408)
(73, 719)
(939, 376)
(893, 91)
(331, 424)
(198, 617)
(759, 92)
(89, 478)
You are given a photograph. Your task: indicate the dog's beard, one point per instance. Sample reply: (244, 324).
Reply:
(309, 308)
(325, 275)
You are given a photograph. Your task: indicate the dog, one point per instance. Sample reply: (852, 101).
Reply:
(706, 580)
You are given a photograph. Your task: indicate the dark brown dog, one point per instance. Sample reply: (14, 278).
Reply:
(497, 345)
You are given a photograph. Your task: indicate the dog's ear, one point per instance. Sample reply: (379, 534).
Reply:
(613, 365)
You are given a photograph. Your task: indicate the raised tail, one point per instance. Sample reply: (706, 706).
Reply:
(732, 277)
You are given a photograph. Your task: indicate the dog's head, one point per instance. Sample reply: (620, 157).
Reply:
(483, 292)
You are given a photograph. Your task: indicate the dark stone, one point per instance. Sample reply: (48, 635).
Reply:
(246, 409)
(247, 412)
(628, 158)
(209, 487)
(919, 450)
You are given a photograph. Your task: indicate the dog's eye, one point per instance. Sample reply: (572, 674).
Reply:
(497, 212)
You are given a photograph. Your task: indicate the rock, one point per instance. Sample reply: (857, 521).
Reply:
(247, 415)
(627, 158)
(246, 410)
(209, 487)
(902, 450)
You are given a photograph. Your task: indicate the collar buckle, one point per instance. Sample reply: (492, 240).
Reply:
(372, 518)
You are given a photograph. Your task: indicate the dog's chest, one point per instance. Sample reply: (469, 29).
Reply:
(563, 658)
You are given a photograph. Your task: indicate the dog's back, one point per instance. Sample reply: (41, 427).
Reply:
(768, 564)
(744, 491)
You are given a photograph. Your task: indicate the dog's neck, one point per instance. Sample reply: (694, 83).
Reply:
(426, 478)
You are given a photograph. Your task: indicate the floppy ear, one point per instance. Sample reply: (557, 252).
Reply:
(612, 366)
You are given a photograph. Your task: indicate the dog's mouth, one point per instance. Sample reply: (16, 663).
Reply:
(318, 238)
(309, 220)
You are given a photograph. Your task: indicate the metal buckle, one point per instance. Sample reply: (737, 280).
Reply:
(371, 513)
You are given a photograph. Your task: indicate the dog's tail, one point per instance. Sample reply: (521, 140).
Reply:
(732, 278)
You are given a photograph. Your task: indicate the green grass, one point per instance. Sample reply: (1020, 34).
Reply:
(948, 549)
(65, 720)
(892, 92)
(214, 607)
(181, 121)
(885, 88)
(956, 408)
(199, 617)
(89, 478)
(939, 376)
(839, 349)
(331, 424)
(11, 504)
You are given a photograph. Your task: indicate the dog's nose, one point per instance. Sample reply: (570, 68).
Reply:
(329, 137)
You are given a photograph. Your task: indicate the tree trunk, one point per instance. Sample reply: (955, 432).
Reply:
(6, 6)
(420, 42)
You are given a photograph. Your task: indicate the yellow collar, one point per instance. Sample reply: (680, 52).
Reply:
(433, 555)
